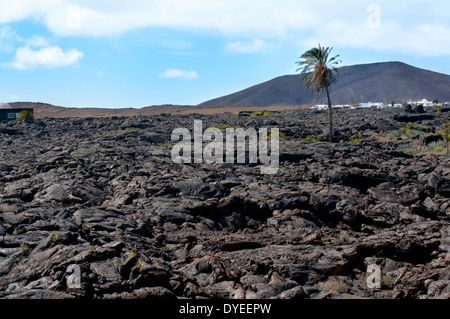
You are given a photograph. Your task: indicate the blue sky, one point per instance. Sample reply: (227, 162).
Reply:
(137, 53)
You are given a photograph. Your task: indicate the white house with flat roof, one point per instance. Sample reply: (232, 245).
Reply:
(424, 102)
(319, 107)
(373, 105)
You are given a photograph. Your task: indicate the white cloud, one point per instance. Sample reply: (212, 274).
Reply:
(36, 41)
(418, 39)
(17, 10)
(406, 27)
(111, 18)
(256, 45)
(176, 73)
(7, 39)
(48, 57)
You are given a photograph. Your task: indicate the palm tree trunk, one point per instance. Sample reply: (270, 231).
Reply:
(330, 115)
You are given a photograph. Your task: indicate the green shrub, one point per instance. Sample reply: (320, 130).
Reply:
(410, 151)
(421, 133)
(358, 139)
(278, 134)
(445, 133)
(311, 139)
(25, 116)
(409, 127)
(261, 113)
(433, 145)
(221, 127)
(438, 149)
(139, 263)
(412, 127)
(25, 249)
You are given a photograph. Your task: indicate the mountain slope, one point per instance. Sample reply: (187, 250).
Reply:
(376, 82)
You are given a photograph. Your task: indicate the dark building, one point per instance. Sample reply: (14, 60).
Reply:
(7, 113)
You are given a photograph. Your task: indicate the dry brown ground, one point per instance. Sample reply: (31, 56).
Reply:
(59, 112)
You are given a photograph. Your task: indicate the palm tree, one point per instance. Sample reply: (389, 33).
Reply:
(319, 71)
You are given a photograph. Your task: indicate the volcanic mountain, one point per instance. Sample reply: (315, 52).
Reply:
(375, 82)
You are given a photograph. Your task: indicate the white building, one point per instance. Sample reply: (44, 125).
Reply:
(319, 107)
(373, 105)
(424, 102)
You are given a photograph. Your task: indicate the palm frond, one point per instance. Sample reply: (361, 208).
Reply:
(318, 70)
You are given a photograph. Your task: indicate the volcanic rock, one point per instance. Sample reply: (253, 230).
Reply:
(104, 194)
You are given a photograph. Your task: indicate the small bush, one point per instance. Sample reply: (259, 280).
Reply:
(356, 139)
(409, 127)
(444, 132)
(336, 285)
(25, 249)
(411, 151)
(273, 134)
(221, 127)
(278, 134)
(384, 137)
(438, 149)
(421, 133)
(433, 145)
(25, 116)
(311, 139)
(413, 127)
(139, 263)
